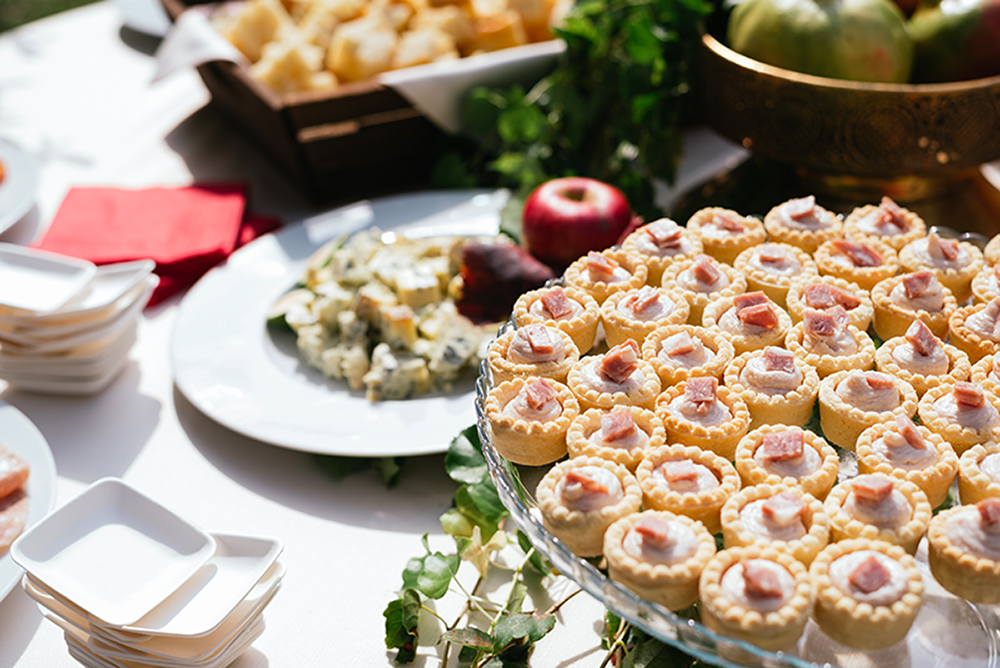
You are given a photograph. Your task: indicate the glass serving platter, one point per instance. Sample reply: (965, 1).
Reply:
(949, 632)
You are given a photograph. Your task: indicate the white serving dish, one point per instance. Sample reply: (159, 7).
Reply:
(113, 551)
(92, 359)
(72, 386)
(38, 281)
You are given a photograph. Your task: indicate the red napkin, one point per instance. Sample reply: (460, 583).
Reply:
(186, 231)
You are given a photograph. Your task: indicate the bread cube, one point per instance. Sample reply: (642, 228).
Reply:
(289, 66)
(260, 22)
(426, 45)
(499, 32)
(535, 16)
(452, 19)
(361, 48)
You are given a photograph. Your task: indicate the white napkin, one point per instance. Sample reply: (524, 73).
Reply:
(193, 41)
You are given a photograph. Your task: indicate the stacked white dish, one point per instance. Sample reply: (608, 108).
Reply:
(66, 325)
(131, 583)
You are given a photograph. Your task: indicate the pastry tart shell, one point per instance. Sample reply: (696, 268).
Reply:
(703, 506)
(973, 484)
(720, 439)
(674, 586)
(503, 369)
(804, 549)
(984, 286)
(577, 276)
(862, 625)
(817, 484)
(746, 342)
(917, 228)
(934, 480)
(725, 249)
(582, 328)
(864, 277)
(807, 240)
(982, 373)
(581, 429)
(991, 254)
(774, 286)
(827, 365)
(773, 631)
(697, 301)
(973, 578)
(656, 264)
(961, 438)
(794, 408)
(892, 320)
(842, 423)
(529, 442)
(643, 395)
(619, 327)
(966, 340)
(861, 316)
(958, 280)
(583, 531)
(958, 367)
(844, 526)
(669, 375)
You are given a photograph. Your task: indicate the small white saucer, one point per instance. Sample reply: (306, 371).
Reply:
(40, 282)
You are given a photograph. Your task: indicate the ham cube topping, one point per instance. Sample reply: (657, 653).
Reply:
(620, 362)
(727, 222)
(642, 300)
(871, 489)
(574, 477)
(749, 299)
(665, 233)
(538, 393)
(942, 249)
(892, 214)
(922, 339)
(761, 315)
(919, 283)
(861, 255)
(556, 302)
(879, 381)
(654, 531)
(823, 324)
(679, 344)
(910, 433)
(802, 207)
(540, 339)
(679, 470)
(701, 390)
(779, 359)
(617, 424)
(774, 257)
(761, 581)
(705, 270)
(822, 296)
(969, 395)
(870, 575)
(600, 267)
(989, 511)
(787, 445)
(783, 509)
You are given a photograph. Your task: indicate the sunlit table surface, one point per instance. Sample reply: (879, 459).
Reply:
(76, 93)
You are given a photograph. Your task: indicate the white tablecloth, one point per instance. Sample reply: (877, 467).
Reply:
(75, 92)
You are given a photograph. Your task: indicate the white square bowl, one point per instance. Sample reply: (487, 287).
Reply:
(40, 282)
(113, 551)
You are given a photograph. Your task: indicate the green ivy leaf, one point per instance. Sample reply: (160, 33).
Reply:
(467, 506)
(464, 461)
(520, 627)
(401, 618)
(431, 574)
(468, 637)
(390, 468)
(341, 467)
(456, 524)
(487, 501)
(515, 600)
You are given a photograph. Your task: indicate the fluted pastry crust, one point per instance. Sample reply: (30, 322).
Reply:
(529, 442)
(984, 286)
(917, 228)
(864, 277)
(933, 480)
(857, 624)
(842, 423)
(725, 249)
(818, 483)
(807, 240)
(697, 301)
(577, 276)
(991, 254)
(656, 264)
(976, 579)
(892, 320)
(965, 339)
(578, 442)
(794, 408)
(583, 532)
(643, 395)
(804, 549)
(618, 327)
(778, 630)
(502, 368)
(747, 342)
(961, 438)
(844, 525)
(973, 484)
(674, 586)
(861, 316)
(720, 439)
(712, 339)
(958, 367)
(774, 286)
(827, 365)
(982, 374)
(956, 279)
(582, 328)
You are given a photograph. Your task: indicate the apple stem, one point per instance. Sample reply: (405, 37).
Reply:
(576, 194)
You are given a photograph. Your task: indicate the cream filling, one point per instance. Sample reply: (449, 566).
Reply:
(734, 587)
(661, 308)
(518, 407)
(790, 267)
(855, 391)
(932, 302)
(965, 529)
(593, 378)
(687, 280)
(756, 376)
(984, 323)
(637, 439)
(893, 590)
(576, 497)
(705, 481)
(935, 364)
(895, 450)
(842, 343)
(681, 545)
(538, 310)
(754, 521)
(990, 465)
(520, 351)
(818, 220)
(716, 414)
(799, 467)
(969, 418)
(891, 513)
(841, 261)
(875, 223)
(618, 275)
(923, 254)
(700, 356)
(645, 245)
(730, 322)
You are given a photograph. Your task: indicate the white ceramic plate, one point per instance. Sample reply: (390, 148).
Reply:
(17, 189)
(113, 551)
(21, 435)
(91, 362)
(228, 364)
(38, 281)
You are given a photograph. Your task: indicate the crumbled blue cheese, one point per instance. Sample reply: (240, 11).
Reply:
(395, 375)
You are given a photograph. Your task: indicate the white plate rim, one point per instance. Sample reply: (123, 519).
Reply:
(222, 365)
(29, 443)
(17, 190)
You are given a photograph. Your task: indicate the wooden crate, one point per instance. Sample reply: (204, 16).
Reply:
(359, 140)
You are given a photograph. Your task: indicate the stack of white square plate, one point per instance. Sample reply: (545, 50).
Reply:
(66, 325)
(133, 584)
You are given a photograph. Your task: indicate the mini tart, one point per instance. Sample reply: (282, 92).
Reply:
(779, 228)
(773, 285)
(643, 395)
(697, 301)
(934, 479)
(720, 439)
(956, 279)
(581, 326)
(701, 505)
(855, 623)
(503, 368)
(974, 484)
(794, 407)
(529, 442)
(818, 483)
(746, 341)
(829, 263)
(842, 423)
(736, 533)
(966, 339)
(861, 316)
(986, 372)
(960, 438)
(992, 251)
(641, 251)
(974, 578)
(853, 228)
(827, 365)
(986, 285)
(670, 374)
(583, 531)
(892, 320)
(958, 366)
(844, 525)
(773, 631)
(672, 585)
(583, 437)
(620, 324)
(577, 276)
(725, 247)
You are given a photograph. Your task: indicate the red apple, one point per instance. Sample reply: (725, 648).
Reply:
(565, 218)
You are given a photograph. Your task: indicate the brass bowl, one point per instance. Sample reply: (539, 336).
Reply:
(908, 140)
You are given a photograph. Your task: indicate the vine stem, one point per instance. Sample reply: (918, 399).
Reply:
(468, 605)
(618, 642)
